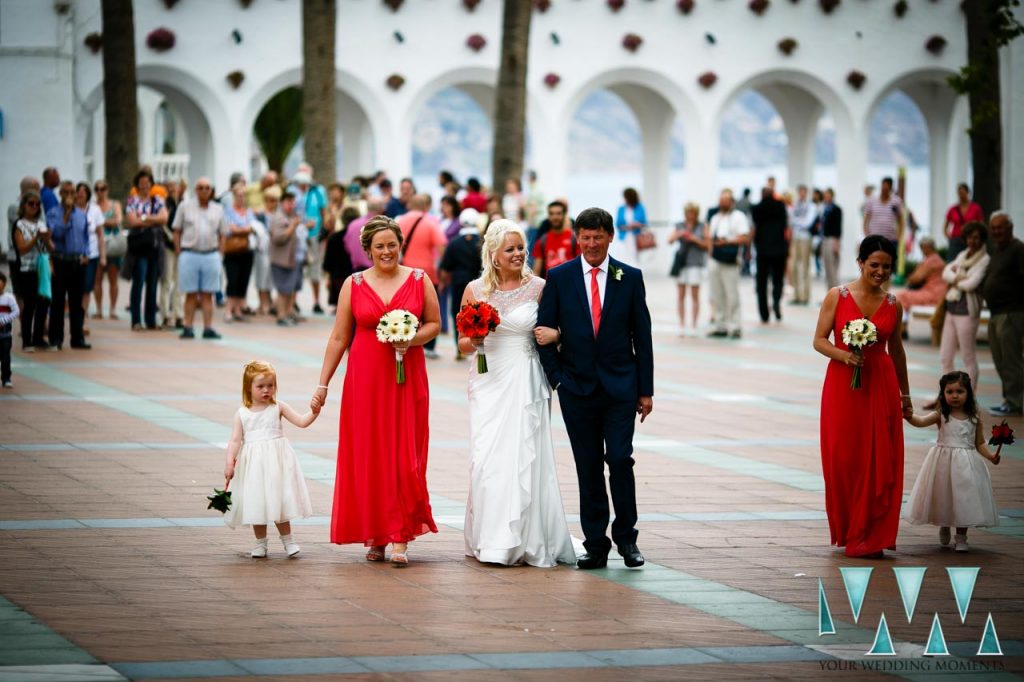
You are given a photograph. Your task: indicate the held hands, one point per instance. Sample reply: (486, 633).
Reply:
(545, 335)
(644, 407)
(908, 407)
(318, 400)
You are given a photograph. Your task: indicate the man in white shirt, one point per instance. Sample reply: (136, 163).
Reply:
(729, 231)
(198, 240)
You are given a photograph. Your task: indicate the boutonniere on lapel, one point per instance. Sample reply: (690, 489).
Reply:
(616, 272)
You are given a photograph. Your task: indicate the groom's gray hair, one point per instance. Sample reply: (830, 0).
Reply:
(595, 219)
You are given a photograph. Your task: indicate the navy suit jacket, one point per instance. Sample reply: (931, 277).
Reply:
(621, 358)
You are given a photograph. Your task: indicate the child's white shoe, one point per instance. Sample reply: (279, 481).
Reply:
(961, 543)
(259, 551)
(290, 548)
(944, 535)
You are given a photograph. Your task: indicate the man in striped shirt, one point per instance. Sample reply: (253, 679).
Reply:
(883, 215)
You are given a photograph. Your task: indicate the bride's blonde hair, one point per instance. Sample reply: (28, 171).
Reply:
(494, 240)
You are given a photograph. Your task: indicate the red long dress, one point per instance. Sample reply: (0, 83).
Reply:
(862, 439)
(380, 492)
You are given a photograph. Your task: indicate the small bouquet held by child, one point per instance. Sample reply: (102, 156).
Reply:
(476, 320)
(397, 326)
(858, 335)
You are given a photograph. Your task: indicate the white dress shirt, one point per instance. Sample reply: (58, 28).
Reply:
(602, 278)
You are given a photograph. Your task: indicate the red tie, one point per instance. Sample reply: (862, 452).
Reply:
(595, 300)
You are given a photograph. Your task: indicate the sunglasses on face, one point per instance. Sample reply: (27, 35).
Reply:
(32, 204)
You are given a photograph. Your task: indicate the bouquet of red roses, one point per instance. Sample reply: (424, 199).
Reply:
(476, 320)
(1002, 435)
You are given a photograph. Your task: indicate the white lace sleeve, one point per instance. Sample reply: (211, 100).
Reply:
(536, 288)
(477, 288)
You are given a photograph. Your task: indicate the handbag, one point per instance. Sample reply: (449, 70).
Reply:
(645, 240)
(43, 270)
(679, 262)
(236, 243)
(726, 253)
(116, 243)
(143, 242)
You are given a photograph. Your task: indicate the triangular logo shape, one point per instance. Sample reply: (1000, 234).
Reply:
(962, 580)
(825, 624)
(882, 645)
(990, 640)
(909, 581)
(936, 640)
(856, 582)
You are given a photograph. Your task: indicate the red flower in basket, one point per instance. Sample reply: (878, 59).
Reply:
(476, 320)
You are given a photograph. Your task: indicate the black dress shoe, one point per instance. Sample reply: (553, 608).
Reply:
(81, 346)
(591, 561)
(631, 556)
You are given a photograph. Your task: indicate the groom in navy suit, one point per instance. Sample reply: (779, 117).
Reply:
(603, 371)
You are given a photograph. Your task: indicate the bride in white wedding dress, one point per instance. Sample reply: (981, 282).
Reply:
(514, 514)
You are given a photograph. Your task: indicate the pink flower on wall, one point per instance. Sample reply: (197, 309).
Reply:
(161, 39)
(685, 6)
(616, 5)
(856, 79)
(476, 42)
(758, 7)
(552, 79)
(542, 5)
(395, 81)
(632, 42)
(470, 5)
(707, 79)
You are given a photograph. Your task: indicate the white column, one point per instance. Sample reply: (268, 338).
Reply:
(960, 145)
(800, 112)
(1012, 68)
(936, 102)
(852, 160)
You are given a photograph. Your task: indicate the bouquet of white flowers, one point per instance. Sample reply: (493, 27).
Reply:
(858, 335)
(400, 326)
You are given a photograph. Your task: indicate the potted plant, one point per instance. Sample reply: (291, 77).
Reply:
(856, 79)
(758, 7)
(94, 41)
(470, 5)
(828, 5)
(616, 5)
(900, 8)
(787, 45)
(542, 5)
(552, 79)
(632, 42)
(707, 79)
(160, 39)
(393, 4)
(395, 81)
(476, 42)
(235, 78)
(685, 6)
(935, 44)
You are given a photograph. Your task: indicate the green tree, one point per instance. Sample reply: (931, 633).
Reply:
(510, 96)
(278, 126)
(120, 109)
(318, 109)
(990, 26)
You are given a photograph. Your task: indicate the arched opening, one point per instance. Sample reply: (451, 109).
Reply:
(453, 131)
(898, 138)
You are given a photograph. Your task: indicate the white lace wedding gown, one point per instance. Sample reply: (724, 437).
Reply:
(514, 513)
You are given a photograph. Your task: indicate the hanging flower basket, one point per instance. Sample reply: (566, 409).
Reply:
(394, 5)
(856, 79)
(235, 78)
(94, 41)
(542, 5)
(470, 5)
(476, 42)
(169, 4)
(552, 79)
(632, 42)
(707, 79)
(245, 3)
(616, 5)
(685, 6)
(900, 8)
(758, 7)
(161, 39)
(935, 44)
(787, 45)
(828, 5)
(395, 81)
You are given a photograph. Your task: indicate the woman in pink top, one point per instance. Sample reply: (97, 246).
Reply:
(959, 214)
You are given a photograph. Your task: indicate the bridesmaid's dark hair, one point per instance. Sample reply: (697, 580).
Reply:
(874, 243)
(964, 379)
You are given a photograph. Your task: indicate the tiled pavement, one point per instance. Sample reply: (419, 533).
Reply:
(112, 568)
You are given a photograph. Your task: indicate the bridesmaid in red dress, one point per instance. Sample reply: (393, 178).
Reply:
(862, 429)
(380, 491)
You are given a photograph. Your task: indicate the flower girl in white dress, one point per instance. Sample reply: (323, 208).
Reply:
(954, 487)
(269, 486)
